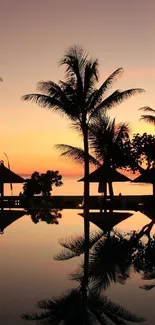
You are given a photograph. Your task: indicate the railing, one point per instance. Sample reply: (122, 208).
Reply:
(127, 202)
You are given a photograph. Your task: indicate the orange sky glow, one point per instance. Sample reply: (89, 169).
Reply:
(34, 38)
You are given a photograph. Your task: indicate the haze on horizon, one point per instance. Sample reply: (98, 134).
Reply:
(34, 36)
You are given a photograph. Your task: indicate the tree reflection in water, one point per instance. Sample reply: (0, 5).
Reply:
(50, 216)
(111, 258)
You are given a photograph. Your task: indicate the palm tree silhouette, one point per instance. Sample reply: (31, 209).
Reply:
(70, 309)
(108, 144)
(148, 117)
(79, 99)
(106, 139)
(110, 258)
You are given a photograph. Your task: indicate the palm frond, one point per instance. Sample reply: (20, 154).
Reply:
(148, 118)
(116, 98)
(36, 316)
(76, 154)
(75, 246)
(54, 103)
(70, 308)
(116, 309)
(122, 131)
(98, 94)
(44, 101)
(90, 77)
(75, 60)
(147, 109)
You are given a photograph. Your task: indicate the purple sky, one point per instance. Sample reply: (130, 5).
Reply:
(34, 35)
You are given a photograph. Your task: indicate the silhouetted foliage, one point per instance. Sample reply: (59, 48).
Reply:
(107, 143)
(69, 309)
(143, 149)
(41, 183)
(149, 118)
(75, 246)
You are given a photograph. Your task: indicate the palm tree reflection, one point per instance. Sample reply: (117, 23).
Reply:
(70, 309)
(111, 257)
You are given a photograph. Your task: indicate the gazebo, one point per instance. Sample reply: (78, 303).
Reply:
(105, 175)
(7, 176)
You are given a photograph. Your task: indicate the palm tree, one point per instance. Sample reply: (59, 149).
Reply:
(107, 142)
(69, 309)
(148, 117)
(107, 139)
(79, 99)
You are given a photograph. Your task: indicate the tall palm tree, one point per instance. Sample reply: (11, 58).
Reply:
(148, 117)
(79, 99)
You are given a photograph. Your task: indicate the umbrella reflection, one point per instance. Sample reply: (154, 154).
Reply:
(7, 217)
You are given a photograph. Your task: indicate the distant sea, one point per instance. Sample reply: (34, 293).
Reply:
(71, 186)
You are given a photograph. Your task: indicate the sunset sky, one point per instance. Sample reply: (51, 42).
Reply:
(34, 35)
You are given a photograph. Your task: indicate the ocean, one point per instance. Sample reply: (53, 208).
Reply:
(71, 186)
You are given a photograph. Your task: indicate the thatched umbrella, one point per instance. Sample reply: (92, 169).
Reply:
(105, 175)
(7, 176)
(147, 176)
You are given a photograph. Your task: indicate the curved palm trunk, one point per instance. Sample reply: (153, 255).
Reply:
(86, 212)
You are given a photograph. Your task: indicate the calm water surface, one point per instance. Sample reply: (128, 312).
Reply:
(28, 272)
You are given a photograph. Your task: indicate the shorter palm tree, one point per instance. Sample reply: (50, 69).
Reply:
(107, 143)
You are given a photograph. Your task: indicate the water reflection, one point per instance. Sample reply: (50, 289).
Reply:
(111, 257)
(50, 216)
(7, 217)
(71, 308)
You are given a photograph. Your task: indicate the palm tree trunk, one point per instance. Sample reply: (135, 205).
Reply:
(111, 193)
(86, 213)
